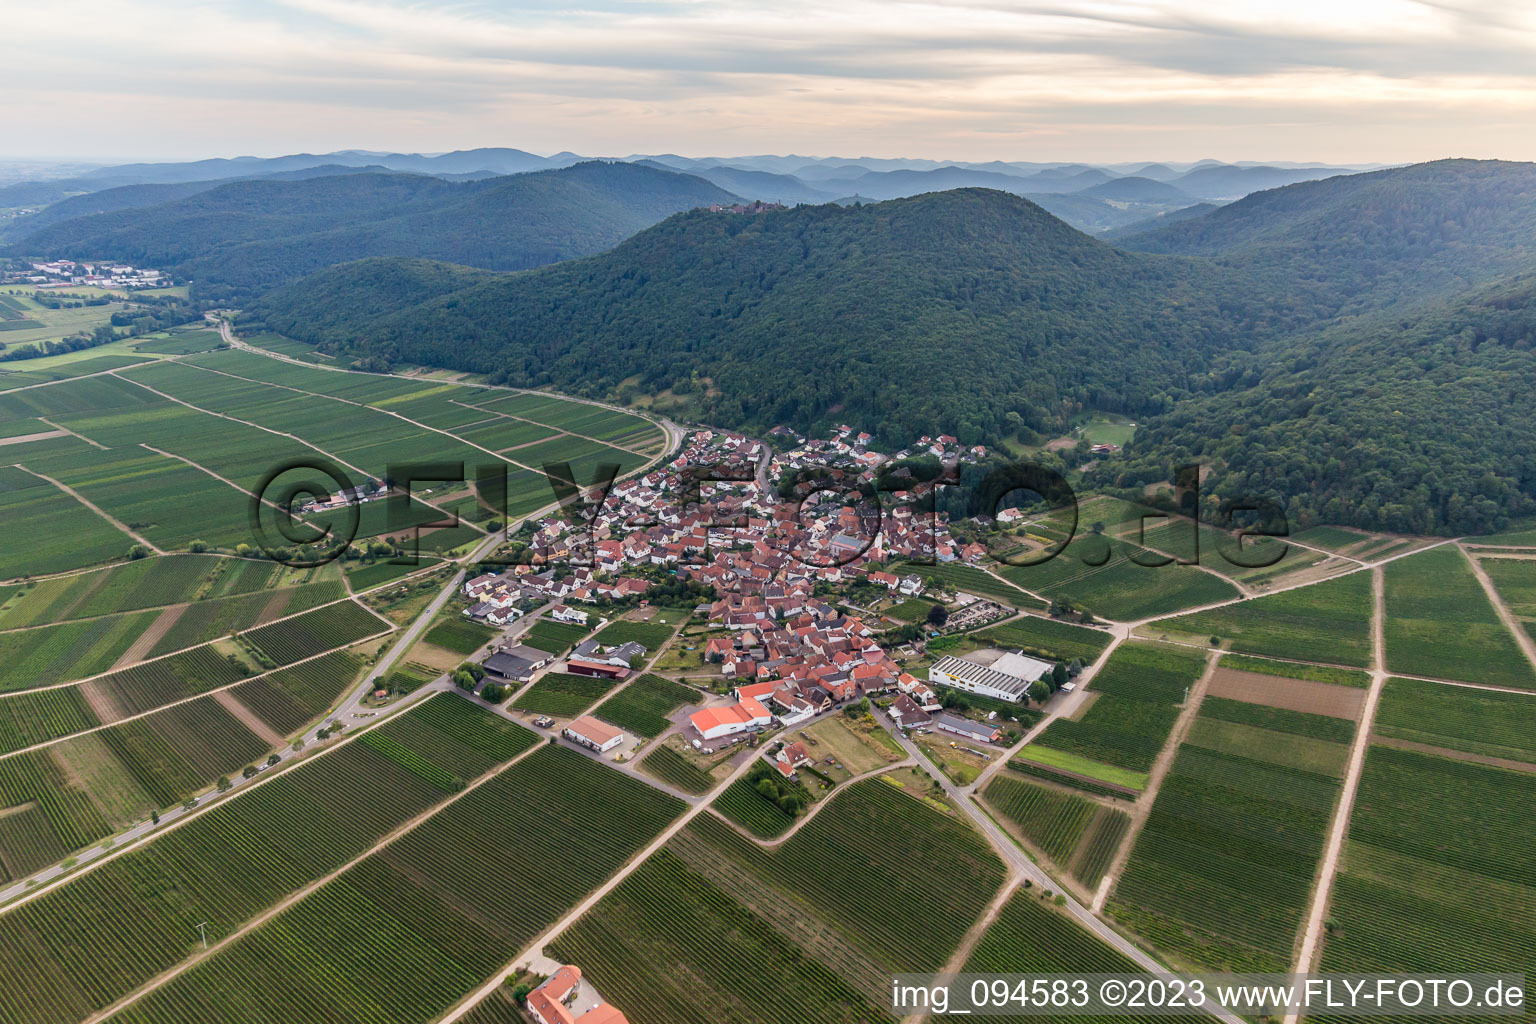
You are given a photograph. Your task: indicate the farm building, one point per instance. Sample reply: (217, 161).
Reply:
(560, 1001)
(714, 723)
(582, 667)
(981, 732)
(621, 655)
(590, 732)
(1007, 678)
(514, 665)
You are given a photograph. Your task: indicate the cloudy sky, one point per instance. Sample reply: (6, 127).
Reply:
(1104, 80)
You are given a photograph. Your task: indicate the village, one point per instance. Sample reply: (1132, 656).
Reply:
(60, 273)
(795, 628)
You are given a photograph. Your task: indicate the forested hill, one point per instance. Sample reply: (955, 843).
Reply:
(251, 235)
(1364, 241)
(962, 311)
(1359, 348)
(1421, 425)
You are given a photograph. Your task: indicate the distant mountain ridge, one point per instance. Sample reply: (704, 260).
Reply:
(1361, 349)
(251, 235)
(788, 179)
(808, 313)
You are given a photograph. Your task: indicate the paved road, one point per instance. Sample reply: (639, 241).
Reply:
(345, 709)
(1021, 866)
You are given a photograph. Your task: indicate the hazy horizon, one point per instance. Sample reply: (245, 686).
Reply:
(1382, 81)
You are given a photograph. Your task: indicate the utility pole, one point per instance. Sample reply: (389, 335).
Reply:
(203, 933)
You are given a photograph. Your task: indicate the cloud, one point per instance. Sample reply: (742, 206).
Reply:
(1387, 79)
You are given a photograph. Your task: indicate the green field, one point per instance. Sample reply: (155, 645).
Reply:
(290, 699)
(70, 650)
(1078, 834)
(1141, 691)
(642, 707)
(1221, 874)
(553, 637)
(1119, 588)
(449, 741)
(742, 803)
(460, 635)
(563, 695)
(312, 633)
(1328, 621)
(674, 769)
(1223, 552)
(147, 583)
(1048, 638)
(727, 962)
(1298, 670)
(1437, 872)
(139, 912)
(650, 635)
(218, 617)
(1065, 761)
(178, 341)
(1030, 936)
(1440, 623)
(86, 786)
(224, 418)
(913, 609)
(1486, 722)
(411, 930)
(48, 531)
(799, 916)
(1515, 580)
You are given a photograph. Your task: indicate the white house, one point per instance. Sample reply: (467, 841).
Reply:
(565, 613)
(590, 732)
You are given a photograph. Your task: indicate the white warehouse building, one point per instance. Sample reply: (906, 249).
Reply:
(1007, 678)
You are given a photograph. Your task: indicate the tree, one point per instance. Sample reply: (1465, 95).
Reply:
(197, 547)
(937, 616)
(1039, 692)
(154, 817)
(224, 784)
(249, 772)
(1058, 676)
(137, 552)
(1215, 641)
(272, 759)
(464, 680)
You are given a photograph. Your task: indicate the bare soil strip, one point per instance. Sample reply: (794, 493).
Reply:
(1291, 694)
(151, 636)
(273, 609)
(248, 718)
(1455, 755)
(101, 702)
(25, 438)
